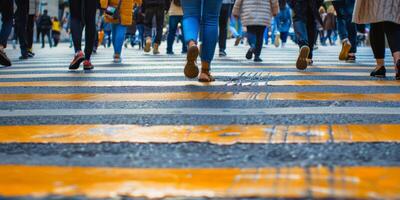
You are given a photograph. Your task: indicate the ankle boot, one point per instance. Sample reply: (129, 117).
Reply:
(205, 75)
(379, 72)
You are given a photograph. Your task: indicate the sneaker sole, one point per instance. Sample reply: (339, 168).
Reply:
(147, 47)
(4, 61)
(88, 69)
(75, 65)
(345, 51)
(191, 70)
(301, 63)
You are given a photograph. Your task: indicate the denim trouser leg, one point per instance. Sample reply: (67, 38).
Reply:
(346, 28)
(266, 36)
(232, 27)
(6, 10)
(118, 37)
(205, 20)
(173, 25)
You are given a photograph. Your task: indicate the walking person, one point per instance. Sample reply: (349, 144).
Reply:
(330, 24)
(305, 17)
(156, 9)
(200, 15)
(83, 15)
(56, 31)
(139, 20)
(21, 22)
(119, 24)
(175, 13)
(256, 15)
(384, 17)
(347, 29)
(45, 24)
(32, 14)
(226, 10)
(6, 11)
(283, 22)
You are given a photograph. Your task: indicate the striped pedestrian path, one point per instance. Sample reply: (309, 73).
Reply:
(146, 103)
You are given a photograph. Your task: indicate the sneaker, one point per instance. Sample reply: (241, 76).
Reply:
(346, 46)
(155, 49)
(237, 41)
(222, 53)
(4, 60)
(170, 53)
(191, 70)
(351, 59)
(249, 54)
(24, 57)
(31, 54)
(257, 59)
(87, 65)
(147, 46)
(78, 59)
(302, 63)
(277, 41)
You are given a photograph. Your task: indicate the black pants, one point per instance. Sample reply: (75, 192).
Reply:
(29, 31)
(6, 10)
(255, 36)
(158, 13)
(21, 21)
(377, 37)
(46, 32)
(83, 15)
(226, 10)
(56, 37)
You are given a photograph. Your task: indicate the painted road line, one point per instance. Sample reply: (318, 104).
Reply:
(195, 83)
(294, 182)
(182, 96)
(215, 134)
(179, 74)
(231, 112)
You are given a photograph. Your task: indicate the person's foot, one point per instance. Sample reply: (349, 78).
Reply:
(117, 58)
(31, 54)
(222, 53)
(78, 59)
(205, 75)
(257, 59)
(351, 59)
(87, 65)
(155, 49)
(170, 53)
(310, 62)
(191, 70)
(237, 41)
(24, 57)
(379, 72)
(249, 54)
(147, 46)
(301, 63)
(277, 41)
(397, 76)
(346, 46)
(4, 60)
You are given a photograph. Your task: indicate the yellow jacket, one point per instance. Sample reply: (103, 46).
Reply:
(126, 10)
(56, 26)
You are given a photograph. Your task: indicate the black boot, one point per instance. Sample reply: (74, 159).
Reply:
(397, 77)
(379, 72)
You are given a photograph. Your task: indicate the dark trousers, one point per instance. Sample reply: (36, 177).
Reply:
(284, 36)
(107, 35)
(46, 32)
(304, 24)
(377, 37)
(6, 10)
(158, 13)
(21, 21)
(56, 37)
(255, 35)
(346, 28)
(226, 10)
(83, 15)
(29, 31)
(173, 27)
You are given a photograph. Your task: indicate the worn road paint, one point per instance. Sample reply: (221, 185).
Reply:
(216, 134)
(333, 83)
(176, 96)
(296, 182)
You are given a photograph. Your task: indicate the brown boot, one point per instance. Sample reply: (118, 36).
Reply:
(155, 49)
(205, 75)
(147, 46)
(191, 70)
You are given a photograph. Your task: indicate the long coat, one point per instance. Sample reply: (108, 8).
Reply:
(256, 12)
(126, 10)
(373, 11)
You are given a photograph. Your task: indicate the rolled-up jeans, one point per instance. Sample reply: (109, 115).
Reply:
(346, 28)
(202, 16)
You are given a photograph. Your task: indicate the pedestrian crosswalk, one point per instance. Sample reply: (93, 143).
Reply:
(147, 103)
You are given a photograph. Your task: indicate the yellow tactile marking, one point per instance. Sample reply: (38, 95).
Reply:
(216, 134)
(175, 96)
(92, 182)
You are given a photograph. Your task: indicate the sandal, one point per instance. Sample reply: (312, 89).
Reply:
(205, 75)
(191, 70)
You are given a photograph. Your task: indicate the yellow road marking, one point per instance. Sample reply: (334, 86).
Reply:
(216, 134)
(176, 96)
(195, 83)
(295, 182)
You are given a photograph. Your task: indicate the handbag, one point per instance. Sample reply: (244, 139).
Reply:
(113, 12)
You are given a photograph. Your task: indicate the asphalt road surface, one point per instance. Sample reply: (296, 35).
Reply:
(140, 129)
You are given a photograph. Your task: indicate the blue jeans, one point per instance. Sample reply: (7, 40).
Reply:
(6, 10)
(118, 37)
(236, 32)
(202, 16)
(346, 28)
(173, 26)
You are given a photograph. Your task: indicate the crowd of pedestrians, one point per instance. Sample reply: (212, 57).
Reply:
(202, 24)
